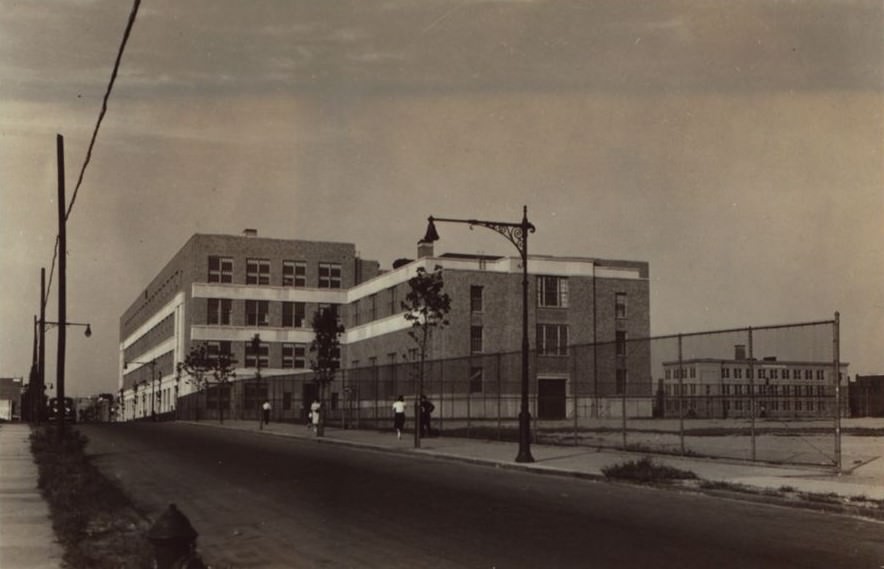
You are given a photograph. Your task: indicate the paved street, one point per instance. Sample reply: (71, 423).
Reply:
(267, 501)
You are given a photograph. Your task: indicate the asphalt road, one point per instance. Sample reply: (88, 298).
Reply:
(266, 501)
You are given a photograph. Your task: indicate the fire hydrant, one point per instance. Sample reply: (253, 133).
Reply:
(174, 541)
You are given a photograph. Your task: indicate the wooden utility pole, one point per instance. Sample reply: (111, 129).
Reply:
(62, 289)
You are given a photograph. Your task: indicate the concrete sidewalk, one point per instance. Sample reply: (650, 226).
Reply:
(864, 482)
(27, 540)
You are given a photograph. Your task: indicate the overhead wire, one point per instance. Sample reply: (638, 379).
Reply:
(129, 25)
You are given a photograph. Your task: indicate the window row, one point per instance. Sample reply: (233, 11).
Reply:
(292, 356)
(740, 389)
(294, 273)
(219, 312)
(747, 373)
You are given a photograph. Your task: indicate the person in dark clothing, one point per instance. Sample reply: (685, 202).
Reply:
(426, 410)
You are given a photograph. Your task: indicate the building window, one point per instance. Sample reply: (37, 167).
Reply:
(294, 273)
(329, 275)
(726, 372)
(620, 343)
(293, 314)
(258, 271)
(218, 311)
(552, 339)
(477, 377)
(373, 308)
(286, 400)
(774, 374)
(475, 298)
(693, 372)
(257, 313)
(476, 345)
(820, 374)
(220, 269)
(215, 349)
(620, 387)
(808, 374)
(620, 305)
(294, 356)
(262, 357)
(552, 292)
(738, 373)
(394, 306)
(668, 374)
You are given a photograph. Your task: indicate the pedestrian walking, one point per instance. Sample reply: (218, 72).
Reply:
(265, 412)
(314, 415)
(399, 416)
(426, 410)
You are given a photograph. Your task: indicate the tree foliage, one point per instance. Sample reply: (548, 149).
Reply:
(203, 367)
(326, 344)
(426, 306)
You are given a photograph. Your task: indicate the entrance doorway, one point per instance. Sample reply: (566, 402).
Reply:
(551, 398)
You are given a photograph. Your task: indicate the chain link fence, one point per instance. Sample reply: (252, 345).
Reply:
(759, 394)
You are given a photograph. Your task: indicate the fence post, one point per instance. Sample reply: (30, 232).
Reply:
(680, 397)
(836, 362)
(499, 395)
(752, 394)
(575, 388)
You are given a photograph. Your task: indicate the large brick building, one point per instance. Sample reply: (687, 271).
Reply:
(222, 290)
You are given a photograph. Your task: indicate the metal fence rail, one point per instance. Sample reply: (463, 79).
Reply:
(762, 394)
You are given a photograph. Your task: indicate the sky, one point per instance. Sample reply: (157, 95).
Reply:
(737, 147)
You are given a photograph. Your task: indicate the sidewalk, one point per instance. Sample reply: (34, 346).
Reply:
(864, 482)
(27, 540)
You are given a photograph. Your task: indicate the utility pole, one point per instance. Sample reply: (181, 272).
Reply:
(41, 349)
(62, 289)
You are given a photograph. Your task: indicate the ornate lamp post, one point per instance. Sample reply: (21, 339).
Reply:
(517, 234)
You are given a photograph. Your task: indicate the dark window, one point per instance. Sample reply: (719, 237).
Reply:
(294, 273)
(262, 357)
(286, 400)
(257, 313)
(220, 269)
(552, 339)
(620, 305)
(294, 356)
(214, 349)
(329, 275)
(476, 345)
(476, 299)
(293, 314)
(552, 292)
(258, 271)
(218, 311)
(620, 343)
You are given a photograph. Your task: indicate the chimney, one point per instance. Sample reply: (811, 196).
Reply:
(250, 232)
(424, 249)
(740, 352)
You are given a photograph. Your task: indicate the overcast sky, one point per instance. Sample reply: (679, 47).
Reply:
(737, 147)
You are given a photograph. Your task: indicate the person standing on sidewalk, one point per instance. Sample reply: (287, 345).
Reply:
(399, 416)
(265, 412)
(314, 415)
(426, 409)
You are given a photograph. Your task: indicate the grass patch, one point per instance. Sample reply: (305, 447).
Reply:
(646, 471)
(92, 517)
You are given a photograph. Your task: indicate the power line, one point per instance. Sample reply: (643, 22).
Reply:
(110, 86)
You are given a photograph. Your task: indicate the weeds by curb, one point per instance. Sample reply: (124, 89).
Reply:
(93, 518)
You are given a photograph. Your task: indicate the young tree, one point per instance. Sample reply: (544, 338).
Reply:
(426, 307)
(205, 368)
(326, 350)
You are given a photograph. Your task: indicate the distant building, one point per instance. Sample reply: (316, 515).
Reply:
(867, 396)
(722, 388)
(221, 290)
(10, 398)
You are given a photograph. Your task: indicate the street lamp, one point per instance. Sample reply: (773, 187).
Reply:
(517, 234)
(42, 325)
(153, 364)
